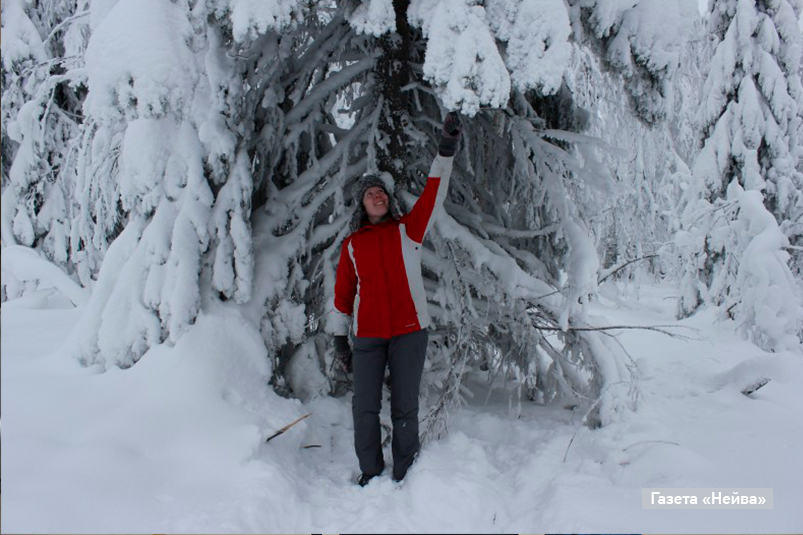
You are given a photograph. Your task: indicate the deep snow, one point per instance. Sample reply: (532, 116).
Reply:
(176, 443)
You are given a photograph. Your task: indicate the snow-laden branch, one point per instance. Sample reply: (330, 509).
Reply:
(341, 78)
(25, 264)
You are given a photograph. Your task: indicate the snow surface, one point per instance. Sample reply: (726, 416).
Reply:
(176, 443)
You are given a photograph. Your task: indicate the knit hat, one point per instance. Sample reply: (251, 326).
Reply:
(358, 192)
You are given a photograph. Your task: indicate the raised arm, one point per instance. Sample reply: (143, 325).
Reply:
(425, 210)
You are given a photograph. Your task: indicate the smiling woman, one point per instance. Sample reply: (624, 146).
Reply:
(375, 201)
(379, 287)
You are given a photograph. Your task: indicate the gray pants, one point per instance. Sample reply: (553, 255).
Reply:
(405, 355)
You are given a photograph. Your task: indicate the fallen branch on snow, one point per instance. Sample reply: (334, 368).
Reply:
(285, 428)
(657, 328)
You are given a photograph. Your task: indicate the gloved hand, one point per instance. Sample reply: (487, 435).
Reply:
(343, 357)
(450, 134)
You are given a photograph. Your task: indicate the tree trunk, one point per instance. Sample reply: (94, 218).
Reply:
(393, 73)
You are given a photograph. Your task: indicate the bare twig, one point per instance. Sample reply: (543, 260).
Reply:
(656, 328)
(48, 63)
(569, 446)
(63, 23)
(650, 442)
(285, 428)
(755, 386)
(551, 293)
(619, 268)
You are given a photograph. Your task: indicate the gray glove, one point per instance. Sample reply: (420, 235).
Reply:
(450, 135)
(343, 357)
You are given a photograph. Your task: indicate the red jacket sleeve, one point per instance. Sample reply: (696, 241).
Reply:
(424, 212)
(345, 289)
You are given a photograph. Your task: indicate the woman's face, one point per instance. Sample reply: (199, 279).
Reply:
(375, 201)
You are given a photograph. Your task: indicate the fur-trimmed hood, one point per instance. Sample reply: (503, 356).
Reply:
(360, 216)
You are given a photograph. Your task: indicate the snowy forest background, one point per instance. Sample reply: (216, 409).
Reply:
(168, 162)
(167, 155)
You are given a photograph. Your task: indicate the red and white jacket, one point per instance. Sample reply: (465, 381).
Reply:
(379, 283)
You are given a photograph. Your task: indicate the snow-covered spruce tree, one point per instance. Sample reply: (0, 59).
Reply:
(164, 187)
(651, 160)
(639, 39)
(511, 234)
(748, 194)
(42, 93)
(220, 143)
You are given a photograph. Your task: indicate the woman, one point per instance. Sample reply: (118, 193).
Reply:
(380, 288)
